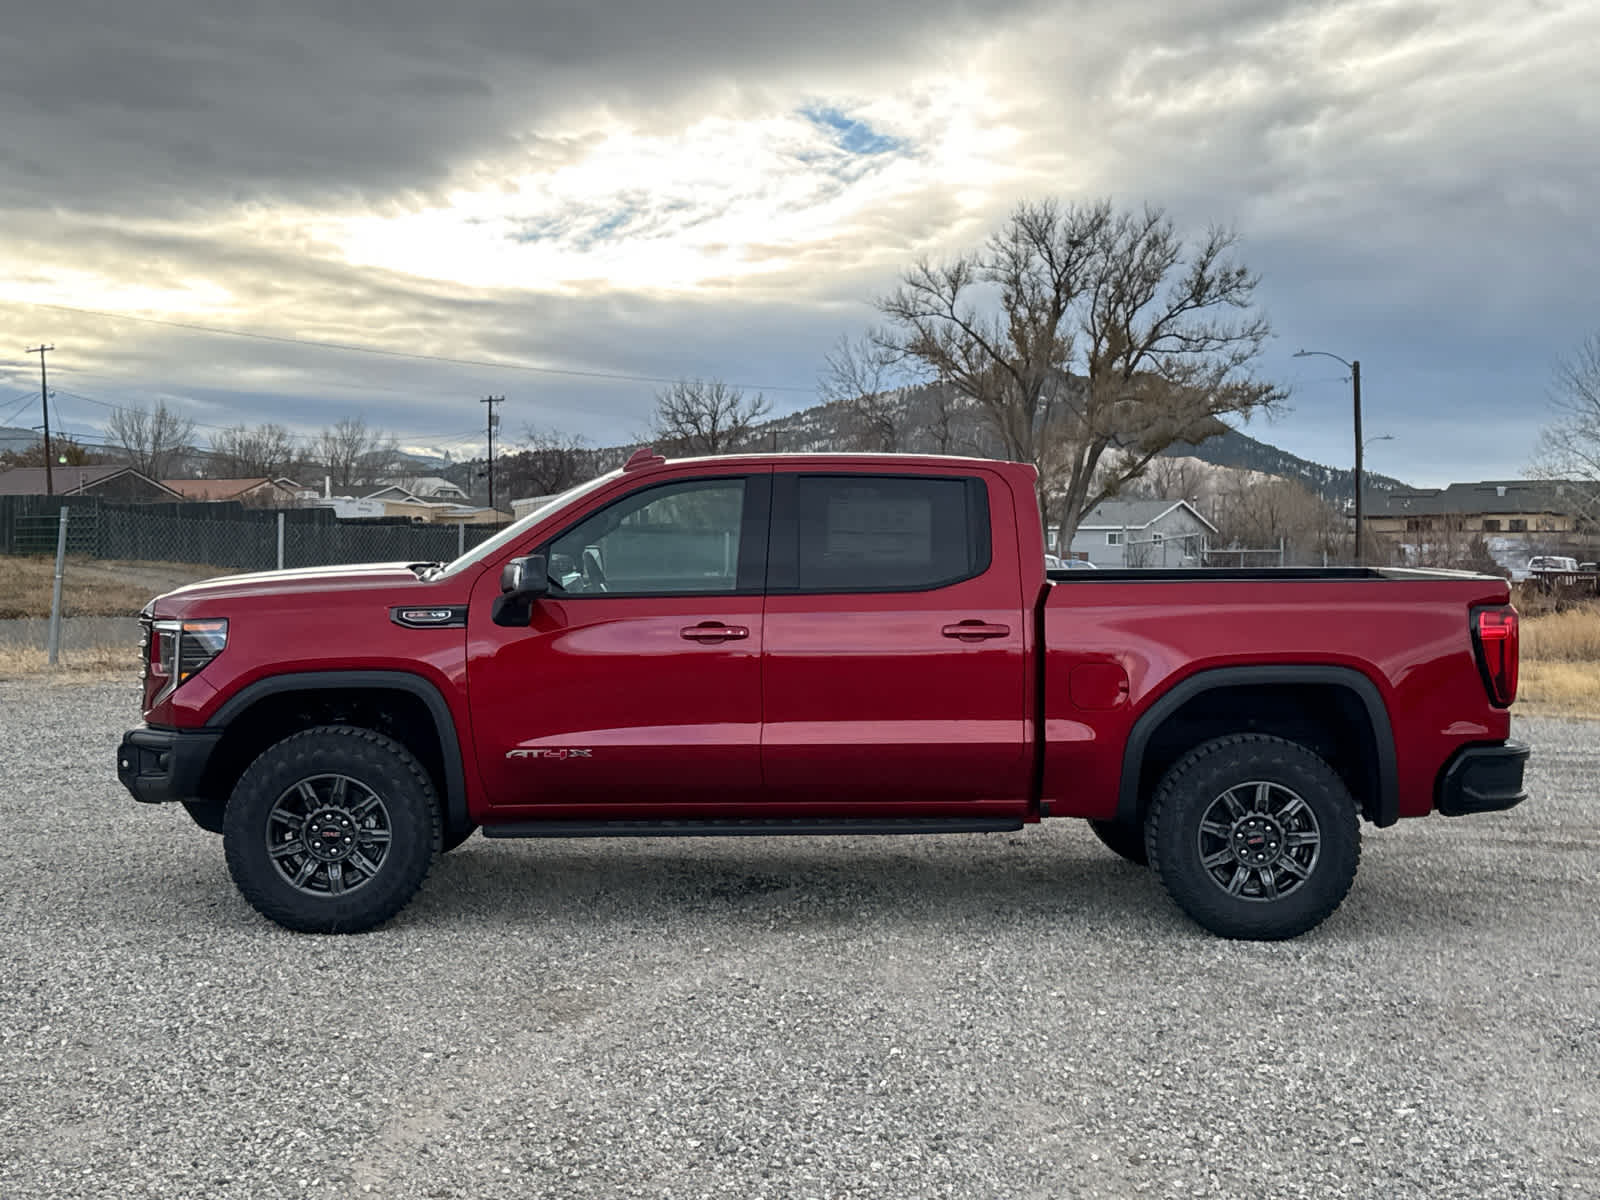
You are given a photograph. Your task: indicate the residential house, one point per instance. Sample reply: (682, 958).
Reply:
(1143, 533)
(260, 492)
(108, 481)
(1520, 508)
(427, 487)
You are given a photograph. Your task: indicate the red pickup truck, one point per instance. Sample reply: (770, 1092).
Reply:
(819, 644)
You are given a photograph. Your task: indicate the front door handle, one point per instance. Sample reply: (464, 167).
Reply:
(713, 631)
(976, 631)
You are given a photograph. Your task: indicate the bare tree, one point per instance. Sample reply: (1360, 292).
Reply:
(65, 450)
(550, 462)
(1175, 479)
(706, 416)
(1569, 447)
(1090, 339)
(241, 453)
(1256, 512)
(861, 377)
(155, 441)
(354, 455)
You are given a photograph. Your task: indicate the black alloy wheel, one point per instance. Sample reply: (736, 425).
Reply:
(332, 830)
(1254, 837)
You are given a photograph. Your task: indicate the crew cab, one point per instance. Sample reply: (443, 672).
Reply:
(809, 644)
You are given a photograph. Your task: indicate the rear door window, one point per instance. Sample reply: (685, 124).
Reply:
(856, 533)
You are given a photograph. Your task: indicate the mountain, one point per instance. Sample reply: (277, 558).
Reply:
(957, 428)
(1242, 452)
(928, 421)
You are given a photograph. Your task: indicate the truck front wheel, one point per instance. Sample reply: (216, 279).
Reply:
(332, 830)
(1254, 837)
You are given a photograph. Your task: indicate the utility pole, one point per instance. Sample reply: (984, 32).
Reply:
(44, 403)
(494, 423)
(1361, 530)
(1355, 382)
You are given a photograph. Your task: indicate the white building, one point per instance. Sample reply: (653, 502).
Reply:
(1143, 533)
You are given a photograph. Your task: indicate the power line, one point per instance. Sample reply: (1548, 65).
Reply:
(439, 358)
(308, 438)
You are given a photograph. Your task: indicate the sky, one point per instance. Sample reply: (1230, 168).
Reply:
(581, 203)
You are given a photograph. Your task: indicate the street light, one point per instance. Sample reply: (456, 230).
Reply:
(1355, 380)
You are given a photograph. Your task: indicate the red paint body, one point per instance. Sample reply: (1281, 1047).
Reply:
(859, 704)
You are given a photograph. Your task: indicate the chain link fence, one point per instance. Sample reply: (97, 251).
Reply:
(224, 535)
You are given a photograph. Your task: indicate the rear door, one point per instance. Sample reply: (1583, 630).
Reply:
(895, 644)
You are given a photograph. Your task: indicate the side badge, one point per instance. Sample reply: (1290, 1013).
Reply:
(451, 616)
(555, 754)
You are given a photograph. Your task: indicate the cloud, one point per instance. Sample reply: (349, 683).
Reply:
(705, 187)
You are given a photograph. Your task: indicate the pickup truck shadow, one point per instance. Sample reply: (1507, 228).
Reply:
(792, 881)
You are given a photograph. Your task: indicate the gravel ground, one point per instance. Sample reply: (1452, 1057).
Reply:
(1013, 1015)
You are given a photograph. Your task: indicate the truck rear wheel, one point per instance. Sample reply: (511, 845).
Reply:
(332, 830)
(1254, 836)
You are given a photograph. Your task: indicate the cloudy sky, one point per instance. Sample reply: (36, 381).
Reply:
(603, 197)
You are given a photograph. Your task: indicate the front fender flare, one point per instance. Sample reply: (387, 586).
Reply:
(455, 783)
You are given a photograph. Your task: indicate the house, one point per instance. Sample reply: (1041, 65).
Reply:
(1515, 507)
(1143, 533)
(109, 482)
(260, 492)
(427, 487)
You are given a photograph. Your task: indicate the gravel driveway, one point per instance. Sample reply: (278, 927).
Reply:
(1012, 1015)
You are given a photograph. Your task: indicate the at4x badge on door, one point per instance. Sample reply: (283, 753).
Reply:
(549, 753)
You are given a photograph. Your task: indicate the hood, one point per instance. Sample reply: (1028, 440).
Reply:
(294, 581)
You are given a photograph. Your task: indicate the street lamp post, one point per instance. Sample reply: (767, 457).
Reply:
(1355, 383)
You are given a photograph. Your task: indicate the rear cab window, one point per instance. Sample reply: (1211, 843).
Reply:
(877, 533)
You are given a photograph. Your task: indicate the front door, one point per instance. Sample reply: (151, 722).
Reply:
(637, 681)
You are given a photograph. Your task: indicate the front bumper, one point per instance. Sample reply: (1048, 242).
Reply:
(1480, 779)
(158, 765)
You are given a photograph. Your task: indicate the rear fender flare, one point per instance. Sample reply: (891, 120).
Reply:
(1385, 808)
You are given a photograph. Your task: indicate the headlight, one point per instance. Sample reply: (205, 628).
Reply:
(181, 648)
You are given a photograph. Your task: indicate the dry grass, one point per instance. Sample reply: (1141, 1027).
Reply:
(91, 587)
(1572, 636)
(1559, 689)
(78, 664)
(1561, 663)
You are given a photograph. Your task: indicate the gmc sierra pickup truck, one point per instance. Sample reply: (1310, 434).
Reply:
(802, 644)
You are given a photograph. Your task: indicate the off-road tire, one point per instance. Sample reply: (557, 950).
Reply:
(1325, 837)
(1126, 841)
(303, 772)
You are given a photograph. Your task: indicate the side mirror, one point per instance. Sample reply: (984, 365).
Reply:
(522, 581)
(525, 578)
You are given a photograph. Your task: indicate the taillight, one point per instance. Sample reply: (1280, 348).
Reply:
(1496, 642)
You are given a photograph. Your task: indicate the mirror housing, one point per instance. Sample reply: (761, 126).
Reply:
(522, 581)
(525, 578)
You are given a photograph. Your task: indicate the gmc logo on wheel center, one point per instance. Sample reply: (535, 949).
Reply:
(549, 754)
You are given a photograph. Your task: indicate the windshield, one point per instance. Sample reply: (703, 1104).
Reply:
(517, 528)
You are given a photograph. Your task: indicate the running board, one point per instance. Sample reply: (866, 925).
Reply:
(731, 827)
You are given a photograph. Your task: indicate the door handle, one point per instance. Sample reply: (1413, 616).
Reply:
(976, 631)
(713, 631)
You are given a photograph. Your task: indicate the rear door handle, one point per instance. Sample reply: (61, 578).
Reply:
(713, 631)
(976, 631)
